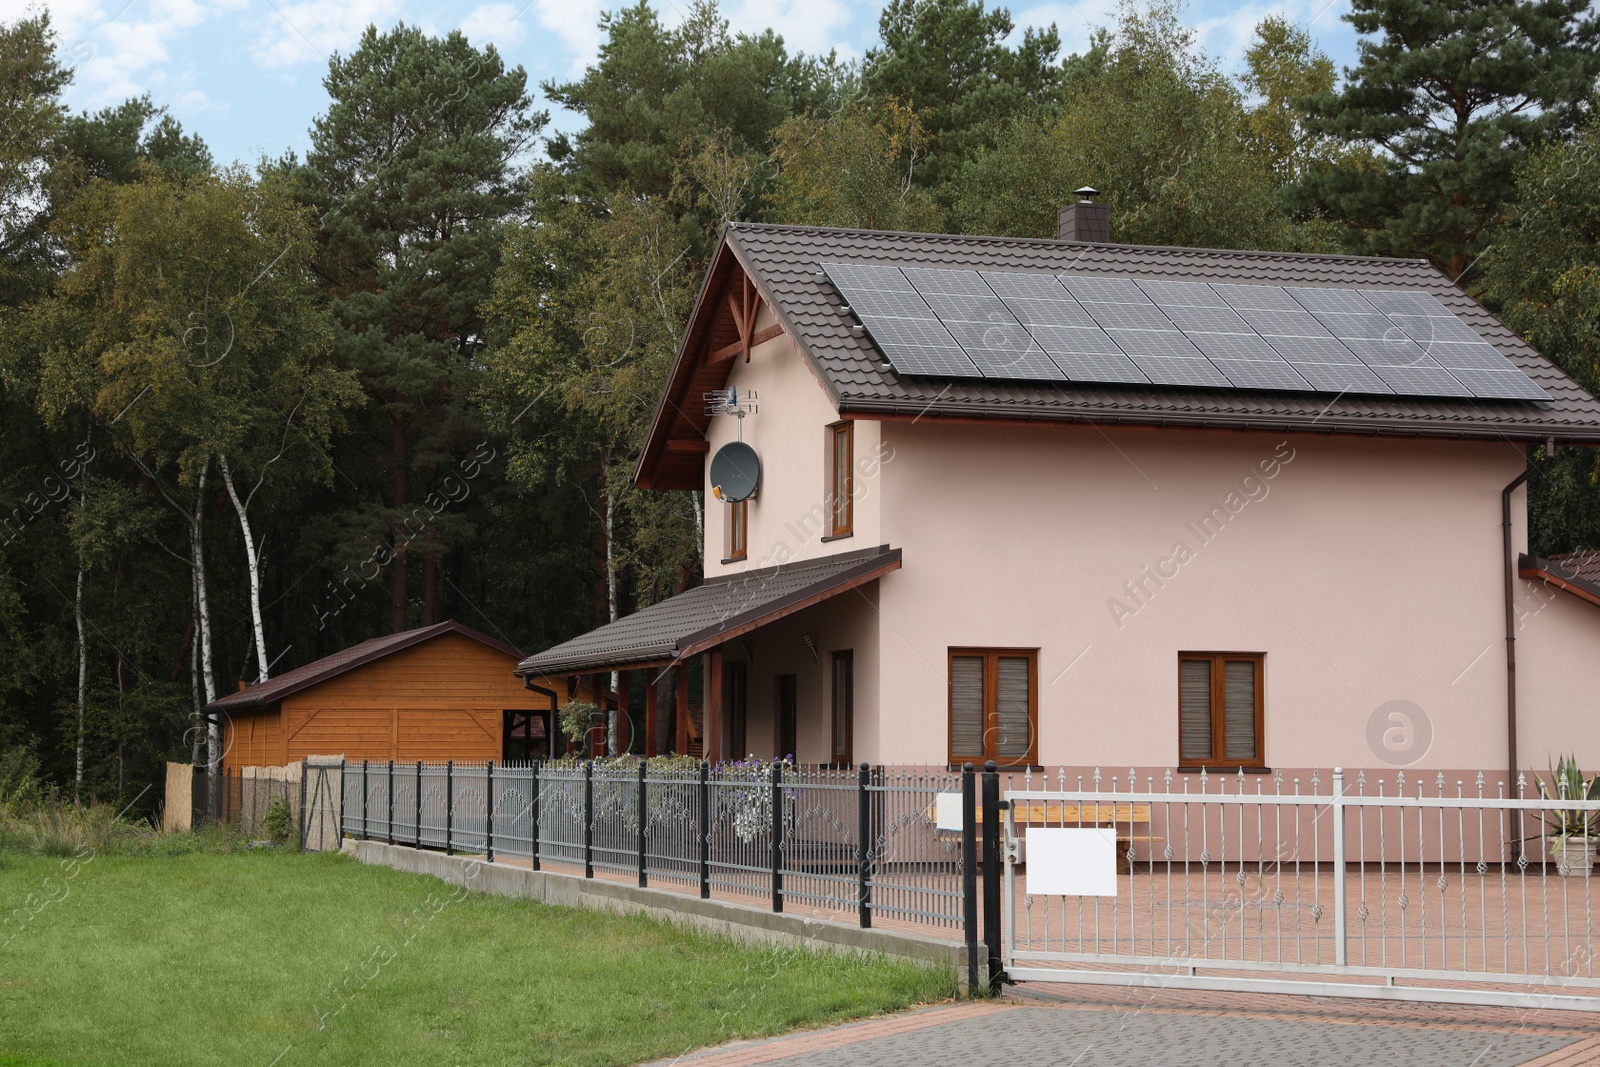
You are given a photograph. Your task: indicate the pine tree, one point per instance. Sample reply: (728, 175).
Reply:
(1451, 94)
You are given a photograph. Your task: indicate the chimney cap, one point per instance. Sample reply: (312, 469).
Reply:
(1088, 192)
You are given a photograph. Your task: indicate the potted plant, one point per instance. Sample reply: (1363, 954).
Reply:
(1572, 832)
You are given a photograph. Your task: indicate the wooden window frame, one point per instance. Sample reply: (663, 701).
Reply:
(846, 759)
(736, 531)
(1219, 712)
(841, 498)
(991, 706)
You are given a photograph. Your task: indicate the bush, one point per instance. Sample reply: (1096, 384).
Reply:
(279, 822)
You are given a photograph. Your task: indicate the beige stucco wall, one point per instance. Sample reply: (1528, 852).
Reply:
(1367, 570)
(788, 516)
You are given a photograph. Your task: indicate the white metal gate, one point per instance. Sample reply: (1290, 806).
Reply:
(1388, 888)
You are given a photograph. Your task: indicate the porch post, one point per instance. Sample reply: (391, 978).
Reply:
(680, 710)
(711, 709)
(597, 686)
(624, 724)
(652, 710)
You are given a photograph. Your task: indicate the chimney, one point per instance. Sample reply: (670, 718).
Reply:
(1085, 220)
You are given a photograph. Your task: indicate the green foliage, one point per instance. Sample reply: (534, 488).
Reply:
(1149, 121)
(1568, 783)
(949, 63)
(279, 822)
(1282, 69)
(856, 168)
(577, 718)
(1543, 277)
(1451, 95)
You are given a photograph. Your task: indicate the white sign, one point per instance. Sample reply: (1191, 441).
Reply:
(947, 812)
(1078, 862)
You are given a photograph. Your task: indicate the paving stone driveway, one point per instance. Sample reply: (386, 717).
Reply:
(1201, 1034)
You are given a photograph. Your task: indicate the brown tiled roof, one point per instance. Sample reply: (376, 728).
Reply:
(712, 613)
(1576, 572)
(784, 262)
(318, 671)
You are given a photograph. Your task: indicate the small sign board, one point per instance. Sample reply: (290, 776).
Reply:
(1075, 862)
(947, 812)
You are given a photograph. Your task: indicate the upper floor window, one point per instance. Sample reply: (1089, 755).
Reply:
(1220, 709)
(841, 479)
(736, 531)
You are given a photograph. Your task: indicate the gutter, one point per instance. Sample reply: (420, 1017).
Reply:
(1509, 571)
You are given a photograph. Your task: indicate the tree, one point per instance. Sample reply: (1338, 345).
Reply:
(413, 168)
(856, 168)
(192, 361)
(1543, 278)
(1451, 95)
(31, 117)
(1283, 68)
(1147, 119)
(948, 61)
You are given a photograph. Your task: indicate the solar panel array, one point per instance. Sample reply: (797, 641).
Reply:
(1094, 328)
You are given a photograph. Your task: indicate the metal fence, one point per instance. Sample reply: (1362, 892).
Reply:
(862, 844)
(1405, 887)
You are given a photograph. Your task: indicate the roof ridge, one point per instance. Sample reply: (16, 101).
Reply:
(1050, 242)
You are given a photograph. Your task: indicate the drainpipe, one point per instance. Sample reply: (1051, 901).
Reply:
(1507, 565)
(550, 727)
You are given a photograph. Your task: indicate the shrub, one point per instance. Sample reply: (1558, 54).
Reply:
(279, 822)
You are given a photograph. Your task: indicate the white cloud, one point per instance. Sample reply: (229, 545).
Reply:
(499, 24)
(576, 23)
(810, 26)
(310, 32)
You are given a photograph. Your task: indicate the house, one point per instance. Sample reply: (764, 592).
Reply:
(1086, 504)
(440, 692)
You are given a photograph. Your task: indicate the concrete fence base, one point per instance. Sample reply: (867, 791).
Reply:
(738, 921)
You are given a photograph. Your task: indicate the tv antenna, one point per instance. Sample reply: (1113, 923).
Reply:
(731, 402)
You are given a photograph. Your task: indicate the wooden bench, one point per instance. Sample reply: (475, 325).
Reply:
(1130, 821)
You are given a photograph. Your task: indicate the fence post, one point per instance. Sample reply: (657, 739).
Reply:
(704, 830)
(863, 845)
(344, 814)
(302, 805)
(449, 802)
(969, 873)
(644, 877)
(363, 800)
(533, 843)
(488, 812)
(419, 805)
(991, 873)
(777, 836)
(1341, 932)
(390, 808)
(588, 818)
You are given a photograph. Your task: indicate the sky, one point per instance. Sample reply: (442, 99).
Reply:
(247, 74)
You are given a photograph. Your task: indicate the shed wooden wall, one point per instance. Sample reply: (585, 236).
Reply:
(442, 699)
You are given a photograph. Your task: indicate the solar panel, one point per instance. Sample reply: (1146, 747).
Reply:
(1096, 328)
(902, 325)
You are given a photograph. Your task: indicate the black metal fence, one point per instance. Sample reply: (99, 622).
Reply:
(863, 843)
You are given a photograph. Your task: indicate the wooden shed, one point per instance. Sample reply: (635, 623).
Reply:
(440, 692)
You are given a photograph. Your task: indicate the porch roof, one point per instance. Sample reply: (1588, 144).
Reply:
(1577, 573)
(718, 611)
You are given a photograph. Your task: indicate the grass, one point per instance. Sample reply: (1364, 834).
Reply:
(287, 959)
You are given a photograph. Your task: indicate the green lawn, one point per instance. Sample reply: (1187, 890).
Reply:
(265, 959)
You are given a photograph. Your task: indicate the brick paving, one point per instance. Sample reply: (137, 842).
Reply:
(1167, 1028)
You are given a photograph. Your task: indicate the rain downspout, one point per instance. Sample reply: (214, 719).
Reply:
(550, 727)
(1508, 566)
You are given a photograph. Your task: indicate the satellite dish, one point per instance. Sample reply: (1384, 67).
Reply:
(735, 472)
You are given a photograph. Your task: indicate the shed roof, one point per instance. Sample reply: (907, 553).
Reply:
(709, 614)
(319, 671)
(1577, 573)
(784, 264)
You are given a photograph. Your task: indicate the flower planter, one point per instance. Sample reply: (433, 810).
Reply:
(1574, 856)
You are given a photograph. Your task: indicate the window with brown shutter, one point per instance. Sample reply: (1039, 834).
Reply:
(737, 531)
(841, 479)
(1221, 711)
(994, 706)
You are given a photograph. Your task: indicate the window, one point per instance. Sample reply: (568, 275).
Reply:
(841, 479)
(738, 709)
(994, 706)
(737, 530)
(843, 665)
(788, 716)
(1220, 720)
